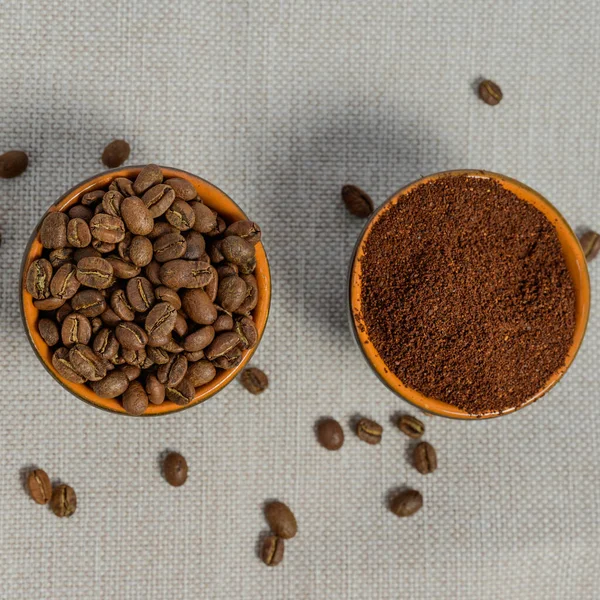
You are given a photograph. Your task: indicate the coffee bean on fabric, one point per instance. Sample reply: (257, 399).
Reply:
(369, 431)
(175, 469)
(272, 550)
(13, 163)
(281, 520)
(63, 501)
(254, 380)
(39, 486)
(115, 153)
(330, 434)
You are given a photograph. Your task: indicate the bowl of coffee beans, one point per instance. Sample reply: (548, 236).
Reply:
(145, 290)
(469, 294)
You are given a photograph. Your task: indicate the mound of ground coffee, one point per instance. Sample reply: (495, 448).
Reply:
(466, 295)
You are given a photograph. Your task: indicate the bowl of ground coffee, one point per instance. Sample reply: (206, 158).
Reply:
(469, 294)
(145, 290)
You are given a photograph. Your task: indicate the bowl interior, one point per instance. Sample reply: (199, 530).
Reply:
(575, 262)
(213, 197)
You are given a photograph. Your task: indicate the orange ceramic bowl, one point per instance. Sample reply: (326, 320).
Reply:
(575, 261)
(213, 197)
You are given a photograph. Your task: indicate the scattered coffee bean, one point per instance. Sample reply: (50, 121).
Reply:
(175, 469)
(490, 92)
(13, 163)
(272, 550)
(411, 426)
(590, 243)
(407, 503)
(281, 520)
(357, 202)
(425, 458)
(39, 486)
(115, 153)
(254, 380)
(369, 431)
(64, 501)
(330, 434)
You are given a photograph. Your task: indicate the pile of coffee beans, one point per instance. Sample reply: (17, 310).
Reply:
(283, 525)
(145, 292)
(62, 498)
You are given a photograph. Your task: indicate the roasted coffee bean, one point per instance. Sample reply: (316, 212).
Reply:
(212, 287)
(183, 188)
(181, 215)
(169, 247)
(407, 503)
(60, 361)
(161, 319)
(490, 92)
(136, 358)
(115, 153)
(135, 399)
(182, 394)
(106, 344)
(47, 304)
(86, 252)
(107, 228)
(76, 329)
(425, 458)
(224, 322)
(112, 386)
(231, 292)
(214, 252)
(226, 270)
(411, 426)
(109, 317)
(231, 359)
(65, 284)
(79, 211)
(78, 233)
(123, 269)
(175, 469)
(330, 434)
(152, 272)
(281, 520)
(194, 245)
(64, 501)
(91, 198)
(136, 215)
(218, 229)
(180, 273)
(222, 344)
(237, 251)
(247, 230)
(165, 294)
(158, 199)
(121, 306)
(132, 372)
(159, 341)
(95, 272)
(103, 247)
(111, 203)
(200, 373)
(89, 303)
(200, 339)
(87, 363)
(62, 313)
(13, 163)
(272, 550)
(38, 278)
(53, 232)
(131, 336)
(96, 325)
(357, 201)
(247, 332)
(249, 267)
(39, 486)
(205, 257)
(123, 185)
(140, 251)
(254, 380)
(590, 243)
(251, 300)
(161, 228)
(123, 247)
(158, 355)
(60, 256)
(140, 293)
(181, 324)
(205, 219)
(173, 372)
(155, 390)
(149, 176)
(49, 331)
(194, 356)
(369, 431)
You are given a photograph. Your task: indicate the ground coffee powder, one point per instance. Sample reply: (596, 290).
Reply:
(466, 295)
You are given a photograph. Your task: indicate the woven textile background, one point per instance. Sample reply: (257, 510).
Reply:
(279, 104)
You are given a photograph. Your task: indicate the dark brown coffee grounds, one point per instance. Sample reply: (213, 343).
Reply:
(466, 295)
